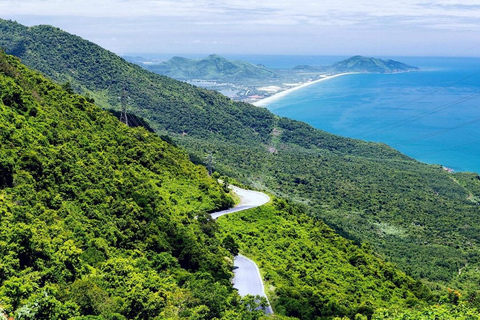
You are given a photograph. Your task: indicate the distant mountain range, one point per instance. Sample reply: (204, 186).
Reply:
(215, 67)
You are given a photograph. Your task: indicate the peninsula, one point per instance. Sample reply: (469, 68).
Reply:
(257, 84)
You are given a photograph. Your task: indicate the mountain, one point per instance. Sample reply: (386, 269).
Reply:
(370, 65)
(421, 217)
(136, 59)
(170, 106)
(100, 219)
(213, 67)
(103, 221)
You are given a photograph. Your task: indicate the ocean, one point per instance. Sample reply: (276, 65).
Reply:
(432, 115)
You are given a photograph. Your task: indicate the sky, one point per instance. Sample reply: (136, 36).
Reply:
(303, 27)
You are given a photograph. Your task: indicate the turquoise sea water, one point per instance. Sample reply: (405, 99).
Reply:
(432, 115)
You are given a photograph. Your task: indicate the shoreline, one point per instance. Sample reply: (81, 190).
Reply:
(264, 102)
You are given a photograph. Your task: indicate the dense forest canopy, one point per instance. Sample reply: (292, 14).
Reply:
(100, 219)
(421, 217)
(313, 273)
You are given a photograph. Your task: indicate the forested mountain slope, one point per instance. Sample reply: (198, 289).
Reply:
(100, 219)
(168, 104)
(106, 221)
(312, 273)
(421, 217)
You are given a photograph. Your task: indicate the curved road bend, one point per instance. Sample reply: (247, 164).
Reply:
(248, 199)
(247, 278)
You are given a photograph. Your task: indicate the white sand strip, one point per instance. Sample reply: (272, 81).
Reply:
(266, 101)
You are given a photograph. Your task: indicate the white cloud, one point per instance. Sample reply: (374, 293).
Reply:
(225, 10)
(224, 23)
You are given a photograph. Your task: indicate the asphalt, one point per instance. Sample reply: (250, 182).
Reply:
(248, 199)
(247, 278)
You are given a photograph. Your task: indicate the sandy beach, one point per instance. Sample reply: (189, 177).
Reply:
(266, 101)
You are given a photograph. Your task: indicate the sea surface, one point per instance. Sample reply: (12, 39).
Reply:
(432, 115)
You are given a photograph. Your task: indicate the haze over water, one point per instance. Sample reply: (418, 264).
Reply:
(432, 115)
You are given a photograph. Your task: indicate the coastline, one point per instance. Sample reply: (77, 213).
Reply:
(281, 94)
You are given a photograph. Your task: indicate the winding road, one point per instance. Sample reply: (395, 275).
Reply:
(247, 278)
(248, 199)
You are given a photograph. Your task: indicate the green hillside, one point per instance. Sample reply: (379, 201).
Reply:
(107, 221)
(420, 217)
(100, 219)
(169, 105)
(213, 67)
(313, 273)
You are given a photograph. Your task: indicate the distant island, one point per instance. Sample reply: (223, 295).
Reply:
(370, 65)
(257, 84)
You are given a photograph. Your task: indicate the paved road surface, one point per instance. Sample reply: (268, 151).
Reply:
(247, 278)
(248, 199)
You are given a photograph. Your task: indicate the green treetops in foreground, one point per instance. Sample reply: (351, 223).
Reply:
(311, 272)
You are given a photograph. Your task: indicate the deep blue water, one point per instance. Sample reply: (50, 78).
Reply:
(432, 115)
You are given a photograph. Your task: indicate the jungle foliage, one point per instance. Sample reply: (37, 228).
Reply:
(102, 221)
(418, 216)
(310, 272)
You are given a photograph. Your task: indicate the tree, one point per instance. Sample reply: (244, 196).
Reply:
(230, 244)
(67, 86)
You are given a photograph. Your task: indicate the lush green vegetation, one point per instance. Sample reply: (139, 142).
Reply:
(445, 311)
(102, 221)
(312, 273)
(420, 217)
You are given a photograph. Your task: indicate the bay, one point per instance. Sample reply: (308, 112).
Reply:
(432, 115)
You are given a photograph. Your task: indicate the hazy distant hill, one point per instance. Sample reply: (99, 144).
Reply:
(308, 68)
(370, 65)
(213, 67)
